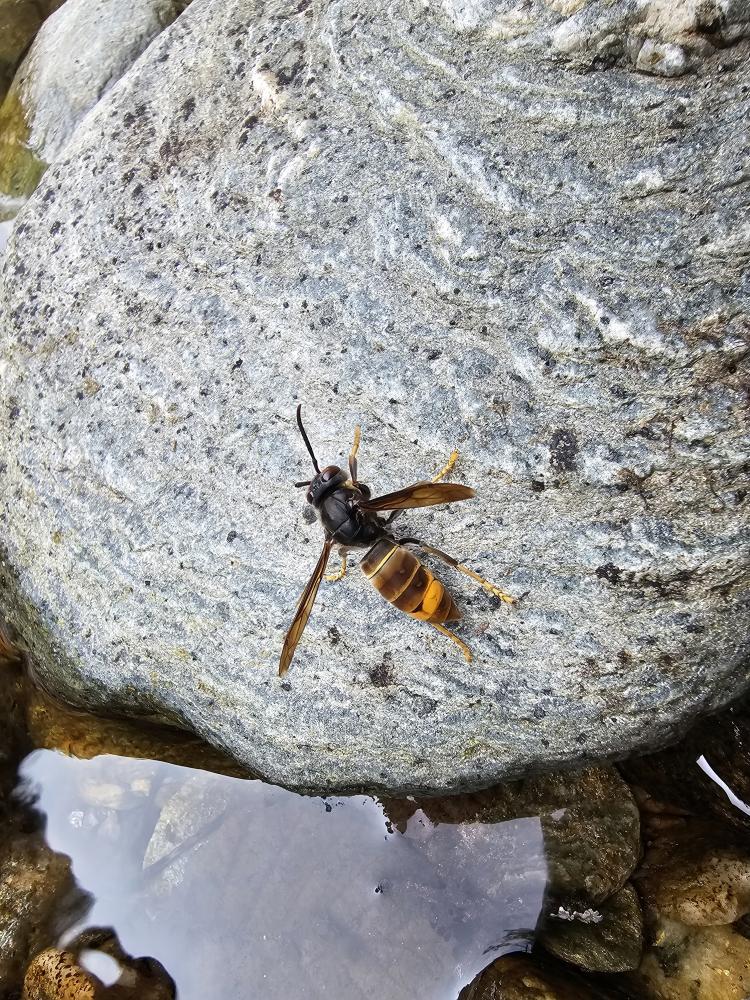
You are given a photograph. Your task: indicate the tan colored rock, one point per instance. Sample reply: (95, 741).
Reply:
(711, 963)
(55, 726)
(701, 887)
(694, 871)
(56, 975)
(60, 975)
(520, 977)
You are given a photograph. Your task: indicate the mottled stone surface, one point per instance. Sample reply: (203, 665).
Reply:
(457, 227)
(57, 727)
(707, 963)
(56, 975)
(695, 874)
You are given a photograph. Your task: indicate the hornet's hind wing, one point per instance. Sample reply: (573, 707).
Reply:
(304, 607)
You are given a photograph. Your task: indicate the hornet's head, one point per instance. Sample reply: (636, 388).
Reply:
(323, 482)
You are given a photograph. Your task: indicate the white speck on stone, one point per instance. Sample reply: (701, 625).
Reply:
(561, 339)
(661, 58)
(514, 24)
(598, 467)
(614, 330)
(468, 14)
(566, 7)
(266, 86)
(5, 228)
(646, 182)
(446, 232)
(568, 36)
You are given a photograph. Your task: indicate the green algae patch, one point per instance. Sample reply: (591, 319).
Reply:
(20, 169)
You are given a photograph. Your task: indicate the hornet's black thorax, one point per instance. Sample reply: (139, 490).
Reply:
(333, 503)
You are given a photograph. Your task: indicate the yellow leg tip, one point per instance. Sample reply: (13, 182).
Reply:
(446, 468)
(497, 592)
(454, 638)
(335, 577)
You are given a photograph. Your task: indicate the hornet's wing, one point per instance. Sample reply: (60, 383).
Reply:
(418, 495)
(304, 608)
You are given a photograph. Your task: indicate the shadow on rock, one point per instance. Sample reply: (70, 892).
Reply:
(674, 776)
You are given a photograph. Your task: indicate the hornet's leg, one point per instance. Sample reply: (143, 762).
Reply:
(353, 456)
(489, 587)
(334, 577)
(461, 645)
(435, 479)
(446, 468)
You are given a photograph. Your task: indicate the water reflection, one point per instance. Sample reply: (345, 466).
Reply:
(243, 889)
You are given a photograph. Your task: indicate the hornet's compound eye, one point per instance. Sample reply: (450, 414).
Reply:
(325, 481)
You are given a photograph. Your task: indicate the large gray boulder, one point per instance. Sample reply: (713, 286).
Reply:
(495, 227)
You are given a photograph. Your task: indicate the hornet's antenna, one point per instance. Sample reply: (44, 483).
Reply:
(305, 438)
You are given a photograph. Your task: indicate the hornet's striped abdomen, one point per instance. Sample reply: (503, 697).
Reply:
(402, 579)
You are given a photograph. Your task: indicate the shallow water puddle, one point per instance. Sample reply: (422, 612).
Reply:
(242, 889)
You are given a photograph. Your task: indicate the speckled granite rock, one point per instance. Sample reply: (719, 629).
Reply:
(434, 224)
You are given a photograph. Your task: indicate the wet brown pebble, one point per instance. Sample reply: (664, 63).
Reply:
(55, 975)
